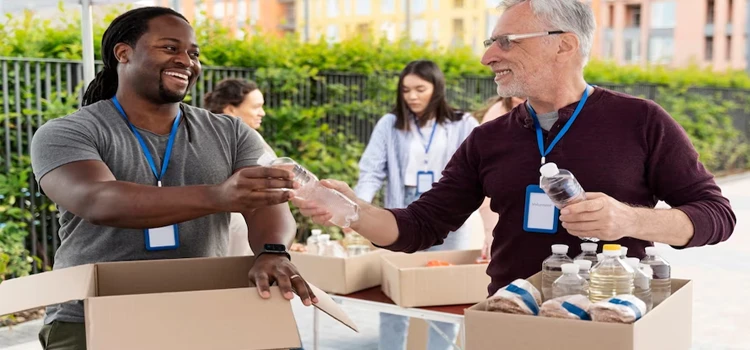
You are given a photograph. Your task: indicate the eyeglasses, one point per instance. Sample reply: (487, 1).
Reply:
(504, 41)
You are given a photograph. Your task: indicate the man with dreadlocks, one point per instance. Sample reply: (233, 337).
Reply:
(138, 175)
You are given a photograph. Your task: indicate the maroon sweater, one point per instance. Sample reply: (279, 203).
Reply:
(623, 146)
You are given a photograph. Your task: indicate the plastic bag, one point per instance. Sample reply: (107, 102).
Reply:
(623, 308)
(574, 307)
(519, 297)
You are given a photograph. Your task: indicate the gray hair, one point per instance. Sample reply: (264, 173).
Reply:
(571, 16)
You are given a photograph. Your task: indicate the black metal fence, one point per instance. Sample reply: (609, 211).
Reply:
(33, 90)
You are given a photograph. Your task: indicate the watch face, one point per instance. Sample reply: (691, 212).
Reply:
(275, 247)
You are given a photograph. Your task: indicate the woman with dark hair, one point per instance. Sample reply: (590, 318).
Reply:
(409, 148)
(239, 98)
(242, 99)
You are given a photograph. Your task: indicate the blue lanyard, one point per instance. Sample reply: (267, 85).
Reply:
(429, 143)
(170, 143)
(540, 139)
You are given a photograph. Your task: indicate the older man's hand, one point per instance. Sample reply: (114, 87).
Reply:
(600, 216)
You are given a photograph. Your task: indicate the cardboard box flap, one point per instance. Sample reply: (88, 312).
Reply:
(327, 305)
(48, 288)
(173, 275)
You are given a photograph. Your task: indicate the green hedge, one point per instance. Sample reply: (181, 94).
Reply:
(284, 64)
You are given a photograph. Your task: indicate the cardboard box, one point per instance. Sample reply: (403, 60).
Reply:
(202, 303)
(666, 327)
(410, 283)
(340, 275)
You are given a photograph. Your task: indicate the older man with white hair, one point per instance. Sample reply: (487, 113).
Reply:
(626, 151)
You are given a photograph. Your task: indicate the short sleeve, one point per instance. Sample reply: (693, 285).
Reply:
(59, 142)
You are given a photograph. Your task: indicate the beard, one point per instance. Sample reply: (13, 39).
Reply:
(513, 89)
(168, 96)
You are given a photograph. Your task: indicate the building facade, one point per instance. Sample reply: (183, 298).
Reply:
(675, 33)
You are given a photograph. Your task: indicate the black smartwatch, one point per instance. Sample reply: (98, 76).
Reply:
(274, 249)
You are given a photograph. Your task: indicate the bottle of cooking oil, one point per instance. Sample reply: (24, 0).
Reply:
(610, 277)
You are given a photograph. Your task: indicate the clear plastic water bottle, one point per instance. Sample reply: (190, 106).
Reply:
(312, 241)
(585, 268)
(661, 284)
(343, 209)
(611, 276)
(570, 283)
(623, 252)
(562, 188)
(641, 283)
(552, 268)
(588, 252)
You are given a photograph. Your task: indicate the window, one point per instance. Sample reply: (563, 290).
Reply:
(419, 31)
(611, 16)
(632, 50)
(663, 14)
(332, 33)
(254, 11)
(365, 29)
(364, 8)
(459, 4)
(418, 6)
(435, 30)
(458, 32)
(332, 9)
(661, 50)
(729, 48)
(388, 30)
(710, 7)
(387, 6)
(633, 16)
(709, 53)
(348, 7)
(436, 5)
(218, 10)
(493, 3)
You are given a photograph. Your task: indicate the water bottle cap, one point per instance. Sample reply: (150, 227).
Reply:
(611, 247)
(589, 247)
(624, 251)
(559, 249)
(583, 264)
(600, 257)
(549, 170)
(570, 268)
(316, 232)
(651, 250)
(633, 262)
(266, 159)
(612, 253)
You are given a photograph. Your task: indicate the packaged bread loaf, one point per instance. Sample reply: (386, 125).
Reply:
(623, 308)
(574, 307)
(519, 297)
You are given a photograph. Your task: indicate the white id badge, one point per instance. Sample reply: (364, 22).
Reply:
(162, 238)
(424, 181)
(540, 214)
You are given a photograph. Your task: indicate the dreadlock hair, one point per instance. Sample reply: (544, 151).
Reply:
(126, 28)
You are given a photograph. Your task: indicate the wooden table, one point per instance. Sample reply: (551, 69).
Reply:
(373, 299)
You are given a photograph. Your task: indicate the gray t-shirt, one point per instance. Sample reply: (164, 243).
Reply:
(207, 149)
(547, 120)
